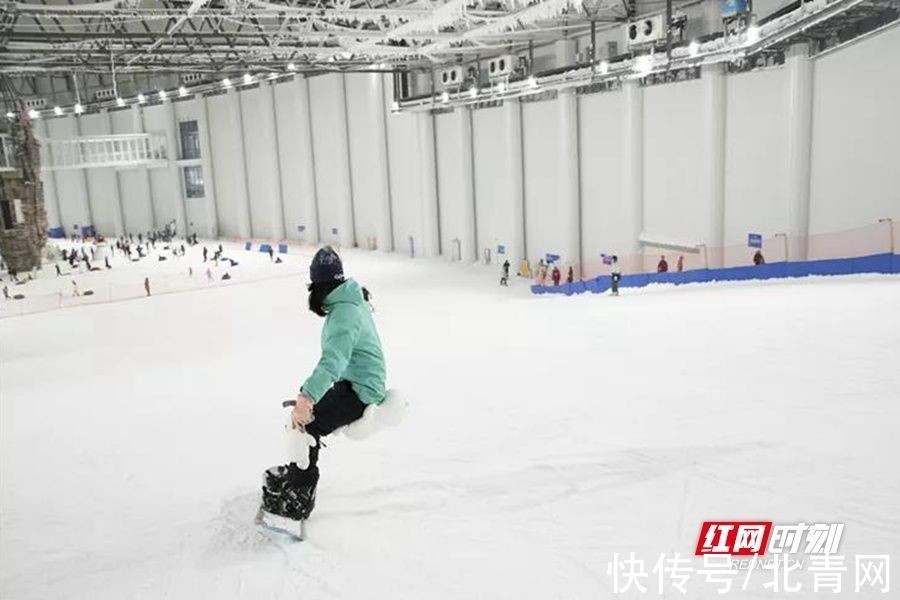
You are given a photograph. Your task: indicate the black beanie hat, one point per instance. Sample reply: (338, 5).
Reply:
(326, 266)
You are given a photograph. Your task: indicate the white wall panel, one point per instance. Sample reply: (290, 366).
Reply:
(134, 187)
(228, 166)
(607, 218)
(102, 182)
(403, 143)
(333, 186)
(261, 153)
(455, 185)
(368, 147)
(298, 183)
(165, 184)
(546, 227)
(755, 155)
(856, 134)
(70, 184)
(676, 159)
(498, 180)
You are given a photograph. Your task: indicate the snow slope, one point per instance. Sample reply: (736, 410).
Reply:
(544, 435)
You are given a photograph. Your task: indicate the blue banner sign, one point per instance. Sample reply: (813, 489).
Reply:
(733, 7)
(754, 240)
(501, 249)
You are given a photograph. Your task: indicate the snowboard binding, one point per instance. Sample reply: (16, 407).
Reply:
(285, 506)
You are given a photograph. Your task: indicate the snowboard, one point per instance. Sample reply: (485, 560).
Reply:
(293, 528)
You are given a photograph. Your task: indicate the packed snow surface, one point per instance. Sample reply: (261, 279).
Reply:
(544, 434)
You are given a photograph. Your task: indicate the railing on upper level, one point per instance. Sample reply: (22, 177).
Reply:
(119, 151)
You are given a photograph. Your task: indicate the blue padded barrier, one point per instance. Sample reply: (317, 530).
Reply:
(875, 263)
(248, 246)
(57, 233)
(264, 247)
(282, 249)
(88, 231)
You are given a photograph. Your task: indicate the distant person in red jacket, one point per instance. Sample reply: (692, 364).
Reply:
(680, 265)
(758, 258)
(663, 266)
(556, 275)
(570, 276)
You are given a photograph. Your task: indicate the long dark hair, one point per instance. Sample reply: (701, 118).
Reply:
(319, 291)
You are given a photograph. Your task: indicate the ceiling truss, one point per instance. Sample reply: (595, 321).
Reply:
(230, 36)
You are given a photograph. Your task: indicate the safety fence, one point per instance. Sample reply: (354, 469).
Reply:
(870, 249)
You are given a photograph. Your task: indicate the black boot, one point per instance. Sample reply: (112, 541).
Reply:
(290, 492)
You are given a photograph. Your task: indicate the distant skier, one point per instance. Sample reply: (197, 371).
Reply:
(504, 280)
(349, 376)
(570, 276)
(758, 258)
(615, 275)
(680, 266)
(556, 275)
(147, 285)
(205, 253)
(271, 254)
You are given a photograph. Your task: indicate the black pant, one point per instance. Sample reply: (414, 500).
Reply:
(338, 407)
(615, 283)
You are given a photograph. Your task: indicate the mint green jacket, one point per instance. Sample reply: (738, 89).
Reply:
(351, 349)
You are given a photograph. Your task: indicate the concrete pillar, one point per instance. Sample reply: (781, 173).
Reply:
(245, 230)
(569, 200)
(270, 122)
(175, 179)
(515, 245)
(714, 82)
(311, 209)
(119, 216)
(429, 214)
(383, 227)
(634, 170)
(347, 232)
(799, 145)
(82, 176)
(469, 238)
(209, 186)
(137, 114)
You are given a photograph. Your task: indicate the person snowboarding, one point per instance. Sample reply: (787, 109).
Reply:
(349, 377)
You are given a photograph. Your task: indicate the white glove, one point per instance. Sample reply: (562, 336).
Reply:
(297, 443)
